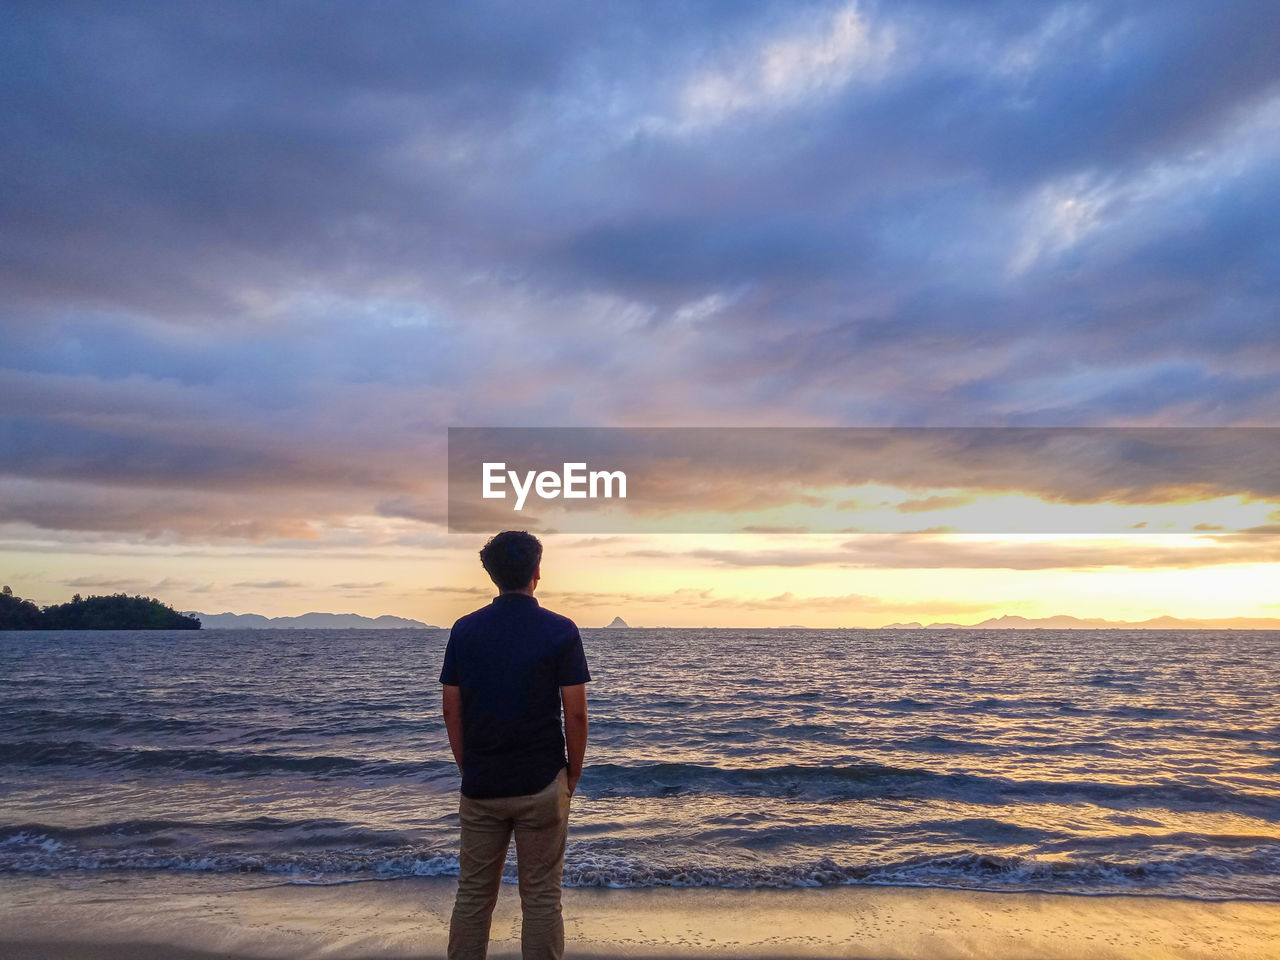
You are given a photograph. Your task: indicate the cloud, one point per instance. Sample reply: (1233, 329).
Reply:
(267, 584)
(849, 602)
(252, 268)
(927, 504)
(919, 552)
(709, 600)
(811, 59)
(101, 584)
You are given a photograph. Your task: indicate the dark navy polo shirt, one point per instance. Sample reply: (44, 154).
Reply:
(510, 660)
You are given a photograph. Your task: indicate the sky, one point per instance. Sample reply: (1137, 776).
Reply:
(255, 259)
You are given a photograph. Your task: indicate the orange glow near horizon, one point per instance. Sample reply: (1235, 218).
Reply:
(877, 508)
(742, 580)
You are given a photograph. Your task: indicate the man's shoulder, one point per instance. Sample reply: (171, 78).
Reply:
(489, 616)
(557, 619)
(474, 617)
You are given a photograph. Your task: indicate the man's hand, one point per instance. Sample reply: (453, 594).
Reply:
(573, 782)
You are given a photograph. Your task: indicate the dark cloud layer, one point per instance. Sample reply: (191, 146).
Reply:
(255, 257)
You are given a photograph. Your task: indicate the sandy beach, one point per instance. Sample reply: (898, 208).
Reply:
(183, 918)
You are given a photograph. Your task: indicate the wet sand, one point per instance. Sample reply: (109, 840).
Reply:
(191, 917)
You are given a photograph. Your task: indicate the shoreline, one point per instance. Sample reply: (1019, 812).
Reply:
(192, 917)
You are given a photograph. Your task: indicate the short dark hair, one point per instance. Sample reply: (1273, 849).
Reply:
(511, 558)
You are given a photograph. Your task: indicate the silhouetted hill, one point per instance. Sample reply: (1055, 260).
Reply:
(116, 612)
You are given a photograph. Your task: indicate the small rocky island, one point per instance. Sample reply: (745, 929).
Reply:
(618, 622)
(116, 612)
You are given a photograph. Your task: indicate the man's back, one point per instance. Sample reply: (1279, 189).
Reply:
(509, 660)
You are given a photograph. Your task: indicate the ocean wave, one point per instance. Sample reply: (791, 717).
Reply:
(86, 755)
(29, 722)
(41, 854)
(39, 720)
(1252, 872)
(275, 831)
(833, 783)
(827, 783)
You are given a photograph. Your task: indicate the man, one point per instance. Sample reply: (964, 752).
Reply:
(509, 667)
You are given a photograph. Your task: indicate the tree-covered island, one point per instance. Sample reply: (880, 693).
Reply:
(116, 612)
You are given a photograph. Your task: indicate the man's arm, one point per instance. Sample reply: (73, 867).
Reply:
(452, 697)
(574, 700)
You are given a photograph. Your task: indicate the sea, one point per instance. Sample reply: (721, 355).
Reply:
(1084, 762)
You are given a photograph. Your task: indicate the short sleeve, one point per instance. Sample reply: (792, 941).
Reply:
(572, 667)
(449, 672)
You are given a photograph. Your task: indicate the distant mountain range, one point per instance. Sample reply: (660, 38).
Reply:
(308, 621)
(1063, 622)
(353, 621)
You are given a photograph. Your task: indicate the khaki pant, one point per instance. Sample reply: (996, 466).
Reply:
(540, 822)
